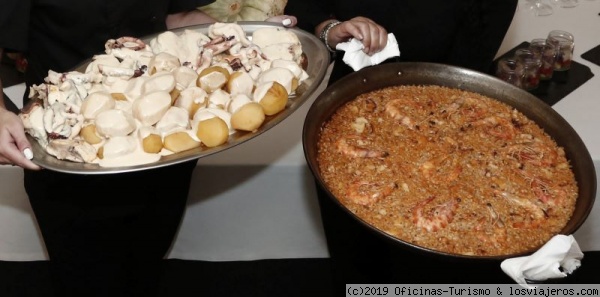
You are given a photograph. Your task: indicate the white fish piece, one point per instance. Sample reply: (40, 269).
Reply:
(228, 30)
(116, 71)
(33, 122)
(75, 150)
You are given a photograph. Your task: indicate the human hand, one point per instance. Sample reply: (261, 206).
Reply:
(282, 19)
(13, 141)
(372, 35)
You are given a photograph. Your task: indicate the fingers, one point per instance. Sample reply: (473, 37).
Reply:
(11, 153)
(285, 20)
(14, 156)
(372, 35)
(14, 144)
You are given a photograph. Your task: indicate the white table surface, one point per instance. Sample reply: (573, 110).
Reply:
(257, 200)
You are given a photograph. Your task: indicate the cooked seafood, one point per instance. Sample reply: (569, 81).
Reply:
(447, 169)
(161, 93)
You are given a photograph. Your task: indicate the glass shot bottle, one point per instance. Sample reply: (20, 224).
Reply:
(546, 52)
(531, 68)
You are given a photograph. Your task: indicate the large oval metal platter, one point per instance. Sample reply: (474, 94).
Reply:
(318, 60)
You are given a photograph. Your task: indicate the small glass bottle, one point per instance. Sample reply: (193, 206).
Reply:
(510, 71)
(547, 54)
(564, 42)
(531, 68)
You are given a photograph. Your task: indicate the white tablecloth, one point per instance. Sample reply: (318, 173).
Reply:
(257, 200)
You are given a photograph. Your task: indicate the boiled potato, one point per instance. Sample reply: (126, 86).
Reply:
(179, 142)
(212, 78)
(191, 99)
(213, 132)
(161, 81)
(272, 97)
(248, 117)
(174, 95)
(100, 153)
(240, 82)
(95, 103)
(118, 96)
(284, 76)
(152, 144)
(88, 133)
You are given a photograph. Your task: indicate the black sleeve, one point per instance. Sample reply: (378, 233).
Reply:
(309, 13)
(176, 6)
(481, 33)
(14, 23)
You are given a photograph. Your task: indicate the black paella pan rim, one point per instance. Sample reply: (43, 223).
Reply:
(419, 73)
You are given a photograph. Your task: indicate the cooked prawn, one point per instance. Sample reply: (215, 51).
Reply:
(437, 217)
(469, 109)
(534, 213)
(394, 110)
(367, 193)
(534, 153)
(358, 150)
(497, 126)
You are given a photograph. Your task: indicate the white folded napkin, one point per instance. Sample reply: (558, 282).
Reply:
(561, 251)
(357, 59)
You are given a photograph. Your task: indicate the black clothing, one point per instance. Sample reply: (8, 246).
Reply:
(59, 34)
(466, 33)
(105, 234)
(463, 33)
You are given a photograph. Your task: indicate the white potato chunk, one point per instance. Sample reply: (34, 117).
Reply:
(150, 108)
(191, 99)
(174, 118)
(114, 122)
(118, 146)
(240, 82)
(163, 62)
(185, 77)
(96, 103)
(161, 81)
(212, 78)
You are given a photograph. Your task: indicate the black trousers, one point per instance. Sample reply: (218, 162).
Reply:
(106, 235)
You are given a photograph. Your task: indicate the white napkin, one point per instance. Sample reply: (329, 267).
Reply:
(561, 251)
(357, 59)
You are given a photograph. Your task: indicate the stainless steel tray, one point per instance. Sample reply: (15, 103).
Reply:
(318, 60)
